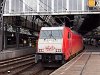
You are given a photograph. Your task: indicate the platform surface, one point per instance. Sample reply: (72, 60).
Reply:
(86, 63)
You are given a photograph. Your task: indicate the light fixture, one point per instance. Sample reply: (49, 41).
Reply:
(12, 35)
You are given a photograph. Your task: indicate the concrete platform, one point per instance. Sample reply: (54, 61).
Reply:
(87, 63)
(12, 53)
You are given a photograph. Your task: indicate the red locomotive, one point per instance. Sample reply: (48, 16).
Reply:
(57, 44)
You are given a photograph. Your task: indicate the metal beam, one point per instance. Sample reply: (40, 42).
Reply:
(1, 25)
(50, 13)
(43, 20)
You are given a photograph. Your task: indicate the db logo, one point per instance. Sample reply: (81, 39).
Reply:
(50, 48)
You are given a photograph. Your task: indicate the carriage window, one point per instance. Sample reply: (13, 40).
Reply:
(69, 35)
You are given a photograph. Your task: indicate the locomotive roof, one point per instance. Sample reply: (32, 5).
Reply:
(52, 28)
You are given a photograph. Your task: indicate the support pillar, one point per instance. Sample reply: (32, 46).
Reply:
(5, 37)
(17, 23)
(17, 37)
(83, 5)
(52, 6)
(67, 5)
(1, 25)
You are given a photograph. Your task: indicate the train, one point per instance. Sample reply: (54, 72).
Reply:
(57, 45)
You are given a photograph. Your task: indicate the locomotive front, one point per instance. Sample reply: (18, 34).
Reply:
(49, 48)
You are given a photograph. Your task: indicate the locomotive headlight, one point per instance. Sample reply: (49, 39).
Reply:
(58, 50)
(41, 50)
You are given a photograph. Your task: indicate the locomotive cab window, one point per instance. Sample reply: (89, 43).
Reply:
(50, 34)
(69, 35)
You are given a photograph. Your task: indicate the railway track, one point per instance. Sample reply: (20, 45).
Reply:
(38, 69)
(24, 65)
(33, 70)
(16, 65)
(44, 72)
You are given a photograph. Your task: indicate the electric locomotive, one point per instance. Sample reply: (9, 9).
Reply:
(57, 45)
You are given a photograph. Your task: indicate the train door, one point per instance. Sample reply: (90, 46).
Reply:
(69, 42)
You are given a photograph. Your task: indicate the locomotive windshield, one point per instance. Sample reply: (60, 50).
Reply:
(51, 34)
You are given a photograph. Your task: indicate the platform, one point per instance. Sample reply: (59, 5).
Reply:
(13, 53)
(86, 63)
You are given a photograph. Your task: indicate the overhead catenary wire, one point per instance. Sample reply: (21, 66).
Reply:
(54, 10)
(47, 5)
(43, 8)
(51, 7)
(31, 7)
(27, 5)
